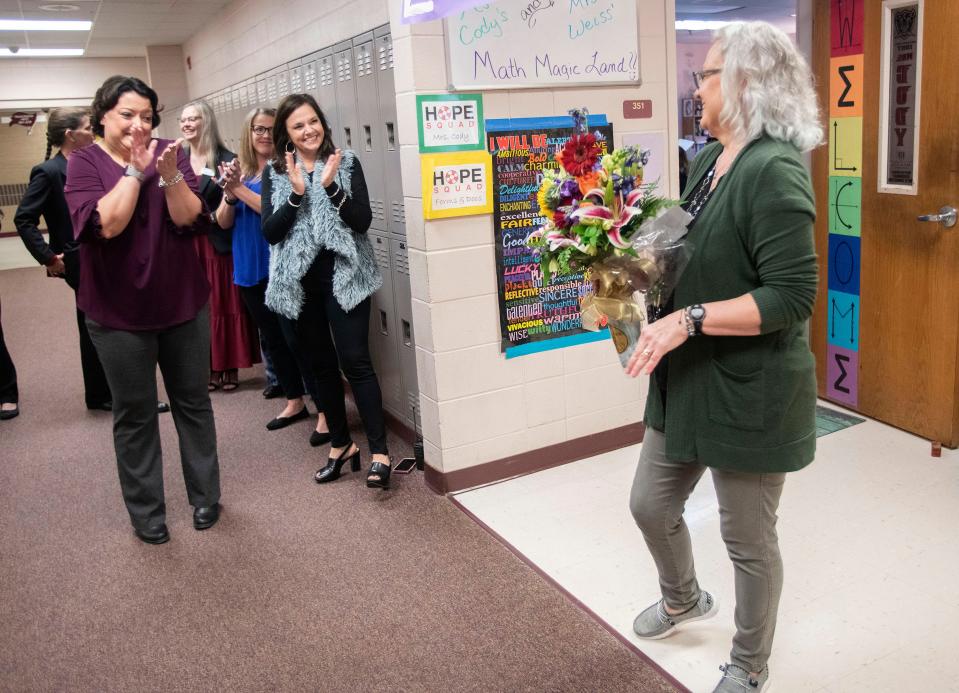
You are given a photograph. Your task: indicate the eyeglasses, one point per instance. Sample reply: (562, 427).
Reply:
(261, 130)
(700, 77)
(190, 119)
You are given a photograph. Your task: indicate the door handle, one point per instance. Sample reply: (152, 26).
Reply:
(946, 217)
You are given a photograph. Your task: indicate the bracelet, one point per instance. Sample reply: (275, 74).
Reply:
(290, 201)
(229, 201)
(337, 191)
(341, 204)
(688, 320)
(170, 183)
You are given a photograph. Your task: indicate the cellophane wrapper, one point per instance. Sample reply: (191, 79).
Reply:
(631, 290)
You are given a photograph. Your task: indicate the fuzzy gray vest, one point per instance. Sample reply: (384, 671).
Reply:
(318, 225)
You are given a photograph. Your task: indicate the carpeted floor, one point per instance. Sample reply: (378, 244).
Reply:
(299, 587)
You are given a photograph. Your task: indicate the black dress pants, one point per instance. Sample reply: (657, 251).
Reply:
(8, 375)
(96, 390)
(291, 366)
(336, 339)
(130, 360)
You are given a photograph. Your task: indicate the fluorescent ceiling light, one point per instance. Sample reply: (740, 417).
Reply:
(699, 25)
(44, 25)
(40, 52)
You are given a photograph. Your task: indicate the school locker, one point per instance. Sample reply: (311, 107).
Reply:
(393, 181)
(370, 149)
(345, 86)
(383, 328)
(295, 70)
(405, 343)
(326, 93)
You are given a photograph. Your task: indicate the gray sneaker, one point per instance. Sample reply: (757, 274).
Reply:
(654, 623)
(736, 680)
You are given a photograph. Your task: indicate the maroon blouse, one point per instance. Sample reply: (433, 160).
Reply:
(148, 277)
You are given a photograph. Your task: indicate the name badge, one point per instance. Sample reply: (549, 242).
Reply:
(208, 172)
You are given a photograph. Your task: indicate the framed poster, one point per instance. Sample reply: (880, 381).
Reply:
(537, 313)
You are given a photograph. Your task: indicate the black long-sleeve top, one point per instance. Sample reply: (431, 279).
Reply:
(354, 211)
(44, 197)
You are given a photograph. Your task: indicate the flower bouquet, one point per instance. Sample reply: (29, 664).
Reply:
(602, 219)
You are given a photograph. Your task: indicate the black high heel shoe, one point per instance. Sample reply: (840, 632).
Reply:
(382, 471)
(332, 469)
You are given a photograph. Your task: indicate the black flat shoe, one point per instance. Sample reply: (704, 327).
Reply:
(333, 465)
(6, 414)
(206, 516)
(101, 406)
(157, 534)
(317, 439)
(272, 391)
(163, 407)
(284, 421)
(379, 475)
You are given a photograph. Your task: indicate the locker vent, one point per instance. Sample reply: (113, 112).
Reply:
(283, 86)
(364, 61)
(271, 89)
(326, 72)
(296, 81)
(401, 260)
(309, 75)
(344, 72)
(384, 50)
(399, 212)
(261, 91)
(381, 250)
(379, 209)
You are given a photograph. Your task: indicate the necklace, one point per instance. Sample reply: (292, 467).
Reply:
(701, 195)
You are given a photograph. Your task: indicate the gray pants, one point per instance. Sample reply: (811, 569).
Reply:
(747, 512)
(130, 360)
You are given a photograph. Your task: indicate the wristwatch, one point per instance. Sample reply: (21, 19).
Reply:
(695, 314)
(135, 172)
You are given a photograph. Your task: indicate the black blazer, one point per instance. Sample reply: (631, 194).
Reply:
(212, 195)
(44, 197)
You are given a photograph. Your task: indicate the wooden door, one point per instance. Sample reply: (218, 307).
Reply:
(886, 345)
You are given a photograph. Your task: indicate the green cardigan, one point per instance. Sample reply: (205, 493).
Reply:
(747, 403)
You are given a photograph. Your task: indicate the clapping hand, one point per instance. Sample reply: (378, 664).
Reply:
(230, 178)
(332, 166)
(295, 174)
(166, 164)
(142, 149)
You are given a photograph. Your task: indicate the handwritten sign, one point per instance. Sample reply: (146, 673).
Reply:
(535, 314)
(456, 185)
(450, 122)
(543, 43)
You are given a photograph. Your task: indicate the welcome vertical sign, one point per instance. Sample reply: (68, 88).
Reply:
(845, 201)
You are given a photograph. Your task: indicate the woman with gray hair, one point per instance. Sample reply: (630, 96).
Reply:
(733, 384)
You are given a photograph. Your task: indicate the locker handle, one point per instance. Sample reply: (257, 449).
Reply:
(368, 132)
(349, 137)
(390, 136)
(384, 324)
(407, 334)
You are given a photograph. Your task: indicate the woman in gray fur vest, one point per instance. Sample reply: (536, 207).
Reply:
(315, 212)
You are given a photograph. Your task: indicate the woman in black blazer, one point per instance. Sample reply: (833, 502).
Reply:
(68, 129)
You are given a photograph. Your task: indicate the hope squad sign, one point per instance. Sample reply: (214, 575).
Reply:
(450, 122)
(456, 184)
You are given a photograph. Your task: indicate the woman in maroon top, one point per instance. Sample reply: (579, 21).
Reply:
(134, 207)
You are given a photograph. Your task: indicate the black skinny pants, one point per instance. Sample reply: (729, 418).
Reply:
(347, 348)
(8, 375)
(292, 367)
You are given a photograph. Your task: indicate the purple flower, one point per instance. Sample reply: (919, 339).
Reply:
(568, 188)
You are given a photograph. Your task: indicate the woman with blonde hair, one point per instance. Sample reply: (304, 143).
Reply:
(233, 340)
(733, 386)
(240, 211)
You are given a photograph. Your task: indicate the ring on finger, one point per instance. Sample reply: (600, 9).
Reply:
(647, 352)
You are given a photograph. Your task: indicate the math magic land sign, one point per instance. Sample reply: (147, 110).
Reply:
(536, 314)
(456, 185)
